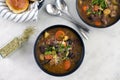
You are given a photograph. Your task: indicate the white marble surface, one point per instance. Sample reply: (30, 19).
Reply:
(102, 55)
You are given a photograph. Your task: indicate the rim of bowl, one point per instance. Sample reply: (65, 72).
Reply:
(93, 25)
(78, 64)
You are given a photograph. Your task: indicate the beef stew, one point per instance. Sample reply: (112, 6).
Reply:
(59, 50)
(99, 13)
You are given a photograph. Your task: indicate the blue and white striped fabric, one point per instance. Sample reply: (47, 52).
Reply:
(28, 15)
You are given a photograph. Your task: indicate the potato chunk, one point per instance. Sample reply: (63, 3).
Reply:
(46, 34)
(107, 12)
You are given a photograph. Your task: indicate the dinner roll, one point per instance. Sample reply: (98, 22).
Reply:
(17, 6)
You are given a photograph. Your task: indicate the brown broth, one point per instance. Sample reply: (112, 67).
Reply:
(84, 16)
(58, 69)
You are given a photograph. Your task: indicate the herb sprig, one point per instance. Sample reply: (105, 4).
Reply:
(101, 3)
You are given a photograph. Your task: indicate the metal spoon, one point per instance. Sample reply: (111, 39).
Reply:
(62, 6)
(52, 10)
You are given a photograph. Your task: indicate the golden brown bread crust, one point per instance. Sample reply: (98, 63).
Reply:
(17, 6)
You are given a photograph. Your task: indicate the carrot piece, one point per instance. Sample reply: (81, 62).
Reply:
(67, 64)
(59, 35)
(85, 8)
(97, 23)
(48, 56)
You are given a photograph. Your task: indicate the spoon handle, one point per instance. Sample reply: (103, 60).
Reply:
(81, 30)
(76, 22)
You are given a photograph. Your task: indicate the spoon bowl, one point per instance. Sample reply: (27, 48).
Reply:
(61, 5)
(52, 10)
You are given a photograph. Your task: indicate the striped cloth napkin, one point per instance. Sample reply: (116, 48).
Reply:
(28, 15)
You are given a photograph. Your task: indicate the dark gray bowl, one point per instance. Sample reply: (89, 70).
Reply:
(77, 64)
(117, 19)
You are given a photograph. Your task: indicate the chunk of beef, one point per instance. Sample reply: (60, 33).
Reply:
(104, 20)
(42, 49)
(94, 17)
